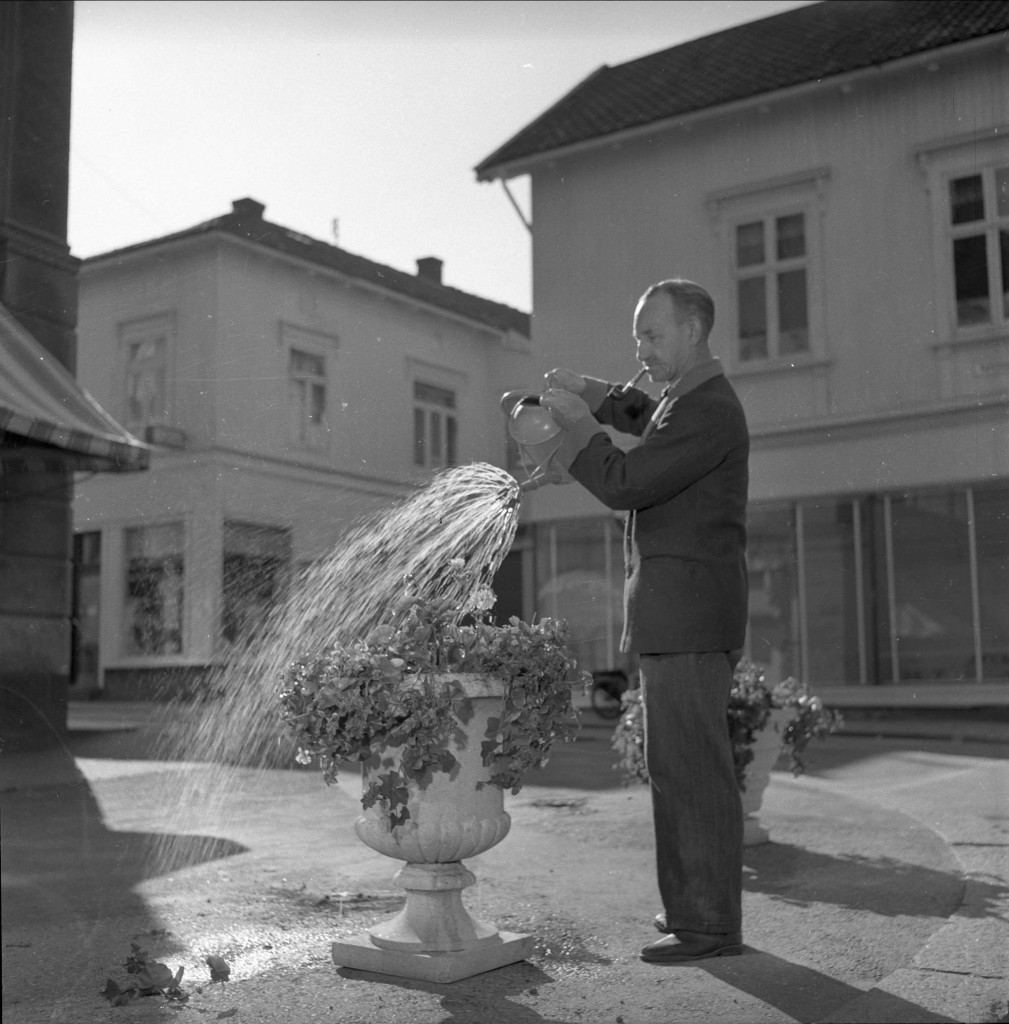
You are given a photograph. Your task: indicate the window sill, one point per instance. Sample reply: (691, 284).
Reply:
(775, 367)
(967, 337)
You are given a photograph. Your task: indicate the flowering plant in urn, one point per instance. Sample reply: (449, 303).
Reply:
(401, 687)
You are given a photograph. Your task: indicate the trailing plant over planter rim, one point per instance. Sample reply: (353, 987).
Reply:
(751, 702)
(395, 688)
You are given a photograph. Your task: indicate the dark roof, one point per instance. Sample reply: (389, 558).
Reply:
(246, 221)
(805, 44)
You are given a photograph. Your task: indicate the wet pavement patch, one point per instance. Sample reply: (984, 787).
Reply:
(556, 941)
(340, 903)
(561, 803)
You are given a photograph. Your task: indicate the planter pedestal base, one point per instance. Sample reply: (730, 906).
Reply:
(360, 954)
(754, 834)
(433, 938)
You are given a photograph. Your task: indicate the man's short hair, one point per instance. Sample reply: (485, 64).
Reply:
(689, 299)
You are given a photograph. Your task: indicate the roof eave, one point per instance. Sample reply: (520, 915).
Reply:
(527, 164)
(219, 233)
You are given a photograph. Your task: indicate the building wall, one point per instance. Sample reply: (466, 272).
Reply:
(892, 399)
(232, 312)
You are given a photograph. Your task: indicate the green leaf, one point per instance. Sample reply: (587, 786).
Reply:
(118, 996)
(220, 969)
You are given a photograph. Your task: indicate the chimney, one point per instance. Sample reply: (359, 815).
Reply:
(429, 268)
(249, 208)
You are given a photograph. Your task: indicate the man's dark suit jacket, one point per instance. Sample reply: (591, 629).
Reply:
(684, 488)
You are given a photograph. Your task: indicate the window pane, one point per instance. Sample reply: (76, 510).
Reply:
(991, 514)
(966, 199)
(791, 236)
(318, 408)
(436, 452)
(1003, 241)
(934, 605)
(793, 318)
(970, 271)
(1002, 191)
(305, 364)
(433, 396)
(752, 318)
(419, 442)
(450, 441)
(307, 397)
(572, 583)
(256, 563)
(750, 244)
(154, 589)
(146, 393)
(831, 592)
(773, 639)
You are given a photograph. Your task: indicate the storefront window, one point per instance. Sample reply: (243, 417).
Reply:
(869, 589)
(257, 561)
(579, 578)
(154, 589)
(991, 516)
(933, 605)
(834, 607)
(773, 634)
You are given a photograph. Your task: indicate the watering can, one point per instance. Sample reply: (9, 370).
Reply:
(535, 431)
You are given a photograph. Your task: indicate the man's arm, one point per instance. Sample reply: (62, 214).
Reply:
(685, 446)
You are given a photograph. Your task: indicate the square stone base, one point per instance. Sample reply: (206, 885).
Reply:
(359, 954)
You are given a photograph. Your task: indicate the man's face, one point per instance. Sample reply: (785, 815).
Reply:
(664, 347)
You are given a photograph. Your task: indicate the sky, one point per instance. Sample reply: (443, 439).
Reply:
(357, 122)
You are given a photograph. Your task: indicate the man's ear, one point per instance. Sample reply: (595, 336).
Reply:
(696, 332)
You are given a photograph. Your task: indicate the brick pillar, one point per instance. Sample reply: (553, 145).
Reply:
(38, 284)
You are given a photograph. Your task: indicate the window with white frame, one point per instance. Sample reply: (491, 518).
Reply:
(155, 587)
(772, 289)
(435, 426)
(772, 237)
(146, 352)
(978, 228)
(306, 386)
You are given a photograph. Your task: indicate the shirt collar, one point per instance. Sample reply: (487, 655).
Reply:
(694, 377)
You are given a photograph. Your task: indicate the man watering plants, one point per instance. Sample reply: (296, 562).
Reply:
(684, 487)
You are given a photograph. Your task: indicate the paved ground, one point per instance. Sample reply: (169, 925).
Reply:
(883, 896)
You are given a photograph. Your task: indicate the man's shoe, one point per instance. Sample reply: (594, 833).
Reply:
(686, 947)
(660, 923)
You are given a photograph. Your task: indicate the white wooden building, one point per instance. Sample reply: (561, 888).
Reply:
(287, 386)
(838, 177)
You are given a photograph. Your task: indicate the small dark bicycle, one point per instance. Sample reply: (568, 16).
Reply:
(608, 690)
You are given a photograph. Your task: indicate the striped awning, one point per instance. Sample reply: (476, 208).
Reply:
(46, 417)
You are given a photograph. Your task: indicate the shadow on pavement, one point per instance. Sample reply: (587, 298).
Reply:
(882, 885)
(807, 995)
(62, 864)
(482, 998)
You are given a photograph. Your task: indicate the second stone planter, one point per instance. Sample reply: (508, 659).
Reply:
(766, 750)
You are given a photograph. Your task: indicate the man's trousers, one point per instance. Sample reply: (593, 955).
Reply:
(696, 806)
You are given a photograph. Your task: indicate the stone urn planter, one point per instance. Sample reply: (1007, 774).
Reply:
(444, 717)
(456, 816)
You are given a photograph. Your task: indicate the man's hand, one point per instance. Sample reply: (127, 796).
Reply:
(566, 380)
(566, 408)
